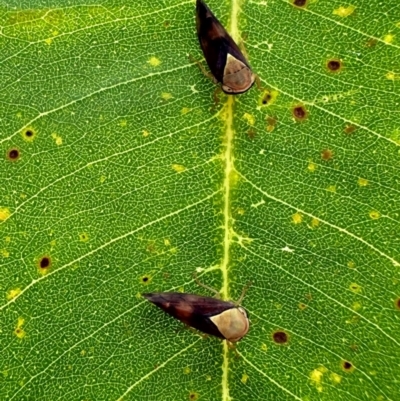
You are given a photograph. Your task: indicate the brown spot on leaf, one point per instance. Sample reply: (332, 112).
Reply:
(280, 337)
(44, 262)
(13, 154)
(299, 112)
(326, 154)
(397, 303)
(347, 366)
(334, 65)
(300, 3)
(251, 133)
(349, 129)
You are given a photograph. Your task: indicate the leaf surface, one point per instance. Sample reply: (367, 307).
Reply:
(120, 175)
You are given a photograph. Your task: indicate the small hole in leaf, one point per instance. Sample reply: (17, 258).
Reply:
(299, 112)
(13, 154)
(280, 337)
(28, 134)
(146, 279)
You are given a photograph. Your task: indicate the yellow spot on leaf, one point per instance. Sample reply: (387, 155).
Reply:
(331, 188)
(193, 396)
(241, 211)
(302, 306)
(311, 167)
(344, 11)
(167, 242)
(83, 237)
(49, 41)
(13, 293)
(166, 95)
(357, 306)
(374, 214)
(28, 134)
(102, 178)
(264, 347)
(389, 38)
(316, 377)
(123, 123)
(249, 118)
(57, 139)
(244, 379)
(362, 182)
(297, 218)
(268, 97)
(178, 168)
(19, 331)
(335, 378)
(354, 287)
(391, 76)
(4, 213)
(351, 264)
(146, 133)
(186, 370)
(5, 253)
(314, 222)
(186, 110)
(154, 61)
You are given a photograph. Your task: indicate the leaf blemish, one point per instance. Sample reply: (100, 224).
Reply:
(271, 121)
(300, 3)
(268, 97)
(251, 133)
(349, 129)
(299, 113)
(334, 65)
(297, 218)
(344, 11)
(326, 154)
(154, 61)
(193, 396)
(347, 366)
(44, 264)
(280, 337)
(356, 288)
(146, 279)
(19, 331)
(4, 213)
(83, 237)
(13, 154)
(374, 214)
(29, 134)
(13, 293)
(179, 168)
(397, 303)
(316, 377)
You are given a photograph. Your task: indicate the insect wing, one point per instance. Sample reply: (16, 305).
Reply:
(193, 310)
(219, 48)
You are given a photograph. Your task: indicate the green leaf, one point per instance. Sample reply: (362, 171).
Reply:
(120, 175)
